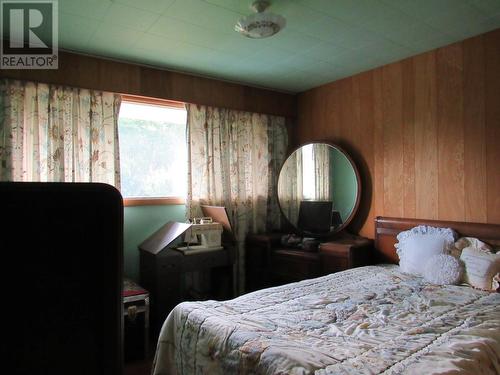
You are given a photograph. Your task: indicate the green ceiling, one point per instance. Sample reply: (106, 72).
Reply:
(324, 40)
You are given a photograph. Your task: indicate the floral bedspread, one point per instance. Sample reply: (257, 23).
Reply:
(368, 320)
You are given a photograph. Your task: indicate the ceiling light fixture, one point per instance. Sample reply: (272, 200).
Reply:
(261, 24)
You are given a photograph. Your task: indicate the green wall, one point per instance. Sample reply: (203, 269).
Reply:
(139, 223)
(343, 184)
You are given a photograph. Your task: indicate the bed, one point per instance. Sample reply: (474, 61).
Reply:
(367, 320)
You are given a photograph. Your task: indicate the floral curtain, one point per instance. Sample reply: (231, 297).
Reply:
(51, 133)
(321, 156)
(290, 189)
(234, 159)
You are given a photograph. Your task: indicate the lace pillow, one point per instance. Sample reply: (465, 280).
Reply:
(443, 269)
(418, 244)
(482, 269)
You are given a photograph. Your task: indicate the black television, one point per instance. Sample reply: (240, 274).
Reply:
(63, 246)
(315, 217)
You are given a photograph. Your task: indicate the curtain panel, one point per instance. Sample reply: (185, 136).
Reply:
(321, 157)
(51, 133)
(234, 160)
(290, 187)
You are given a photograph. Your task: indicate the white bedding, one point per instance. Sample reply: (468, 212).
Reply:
(368, 320)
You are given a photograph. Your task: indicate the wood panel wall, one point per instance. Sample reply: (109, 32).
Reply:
(124, 78)
(424, 132)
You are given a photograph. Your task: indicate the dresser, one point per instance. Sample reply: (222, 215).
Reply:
(269, 263)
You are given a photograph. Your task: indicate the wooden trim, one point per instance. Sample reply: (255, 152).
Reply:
(152, 101)
(160, 201)
(102, 74)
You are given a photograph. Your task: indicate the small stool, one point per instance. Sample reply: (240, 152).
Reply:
(135, 302)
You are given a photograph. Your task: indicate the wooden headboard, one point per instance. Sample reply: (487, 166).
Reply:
(387, 228)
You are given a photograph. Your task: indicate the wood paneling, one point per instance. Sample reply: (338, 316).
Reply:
(425, 133)
(426, 151)
(378, 150)
(474, 132)
(107, 75)
(492, 116)
(392, 124)
(451, 193)
(363, 126)
(408, 108)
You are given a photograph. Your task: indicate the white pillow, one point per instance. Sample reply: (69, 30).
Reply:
(481, 268)
(464, 242)
(443, 269)
(417, 250)
(418, 244)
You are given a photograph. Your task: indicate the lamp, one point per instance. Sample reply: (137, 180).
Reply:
(261, 24)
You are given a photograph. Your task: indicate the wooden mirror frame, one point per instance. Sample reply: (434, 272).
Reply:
(358, 195)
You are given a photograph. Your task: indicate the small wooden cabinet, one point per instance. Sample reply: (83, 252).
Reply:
(268, 263)
(163, 275)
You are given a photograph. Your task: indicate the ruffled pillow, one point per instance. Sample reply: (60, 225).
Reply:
(465, 242)
(443, 269)
(448, 234)
(417, 245)
(482, 269)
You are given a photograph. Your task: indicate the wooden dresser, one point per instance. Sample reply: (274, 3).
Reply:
(269, 263)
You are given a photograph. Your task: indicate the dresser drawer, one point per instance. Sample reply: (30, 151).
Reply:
(335, 264)
(288, 266)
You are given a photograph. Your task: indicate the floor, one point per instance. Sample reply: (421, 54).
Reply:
(138, 367)
(141, 367)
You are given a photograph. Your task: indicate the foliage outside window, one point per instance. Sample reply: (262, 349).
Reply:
(153, 154)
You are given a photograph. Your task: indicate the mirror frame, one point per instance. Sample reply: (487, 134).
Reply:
(358, 195)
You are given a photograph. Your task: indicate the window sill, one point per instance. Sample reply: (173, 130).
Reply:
(128, 202)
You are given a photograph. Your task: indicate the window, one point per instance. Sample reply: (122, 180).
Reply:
(153, 155)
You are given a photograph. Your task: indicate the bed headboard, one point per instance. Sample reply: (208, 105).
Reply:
(387, 228)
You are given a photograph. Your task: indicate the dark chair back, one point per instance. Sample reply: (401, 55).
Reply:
(61, 247)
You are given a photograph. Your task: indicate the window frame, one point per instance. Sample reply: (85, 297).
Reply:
(153, 201)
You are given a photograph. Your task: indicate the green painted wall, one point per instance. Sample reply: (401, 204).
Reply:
(343, 184)
(139, 223)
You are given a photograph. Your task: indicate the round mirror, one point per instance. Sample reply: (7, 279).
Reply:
(318, 189)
